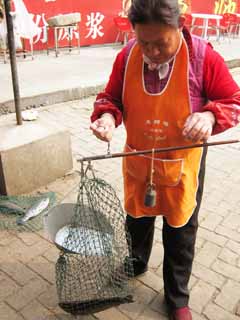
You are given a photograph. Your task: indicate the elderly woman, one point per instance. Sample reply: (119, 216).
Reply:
(170, 88)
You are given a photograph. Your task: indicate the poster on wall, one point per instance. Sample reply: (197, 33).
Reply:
(205, 6)
(97, 25)
(223, 6)
(216, 6)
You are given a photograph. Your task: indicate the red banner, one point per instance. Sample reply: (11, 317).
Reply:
(97, 26)
(216, 6)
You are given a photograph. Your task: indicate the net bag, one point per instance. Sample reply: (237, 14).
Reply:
(94, 263)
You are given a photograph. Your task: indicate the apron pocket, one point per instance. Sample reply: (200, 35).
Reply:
(168, 172)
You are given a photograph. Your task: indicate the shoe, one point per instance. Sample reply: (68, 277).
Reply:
(134, 268)
(139, 268)
(180, 314)
(138, 272)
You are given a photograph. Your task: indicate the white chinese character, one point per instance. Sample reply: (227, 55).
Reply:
(224, 6)
(68, 33)
(93, 24)
(42, 36)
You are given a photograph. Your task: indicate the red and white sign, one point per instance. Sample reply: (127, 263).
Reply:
(97, 26)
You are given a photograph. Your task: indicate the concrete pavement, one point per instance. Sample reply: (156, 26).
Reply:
(27, 260)
(47, 80)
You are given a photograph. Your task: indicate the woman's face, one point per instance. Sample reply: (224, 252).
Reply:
(159, 42)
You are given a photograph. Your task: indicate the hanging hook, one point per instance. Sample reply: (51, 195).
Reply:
(151, 195)
(90, 168)
(152, 167)
(108, 148)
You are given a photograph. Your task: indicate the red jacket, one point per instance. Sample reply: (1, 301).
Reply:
(221, 90)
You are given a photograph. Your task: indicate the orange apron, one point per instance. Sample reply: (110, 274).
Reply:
(156, 121)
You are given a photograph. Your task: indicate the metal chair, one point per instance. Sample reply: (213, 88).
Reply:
(187, 20)
(19, 50)
(238, 25)
(234, 24)
(227, 25)
(124, 28)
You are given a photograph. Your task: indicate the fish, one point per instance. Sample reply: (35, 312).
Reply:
(34, 211)
(11, 205)
(87, 242)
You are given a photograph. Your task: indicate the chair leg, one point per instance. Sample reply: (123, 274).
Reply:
(221, 35)
(118, 35)
(47, 31)
(218, 35)
(125, 39)
(5, 55)
(31, 45)
(56, 41)
(23, 48)
(228, 33)
(78, 28)
(235, 31)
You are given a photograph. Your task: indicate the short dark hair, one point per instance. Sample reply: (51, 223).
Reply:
(154, 11)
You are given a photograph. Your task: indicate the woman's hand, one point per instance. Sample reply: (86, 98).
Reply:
(199, 126)
(103, 127)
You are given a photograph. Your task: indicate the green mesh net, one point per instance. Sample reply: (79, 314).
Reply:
(25, 212)
(94, 263)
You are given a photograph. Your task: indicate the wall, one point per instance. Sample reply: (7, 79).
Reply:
(97, 25)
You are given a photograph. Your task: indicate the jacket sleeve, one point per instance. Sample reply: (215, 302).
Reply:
(222, 92)
(110, 100)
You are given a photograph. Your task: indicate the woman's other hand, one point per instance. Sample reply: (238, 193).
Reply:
(199, 126)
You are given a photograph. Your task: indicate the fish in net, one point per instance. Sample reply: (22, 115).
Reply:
(94, 263)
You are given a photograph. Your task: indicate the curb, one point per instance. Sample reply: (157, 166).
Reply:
(234, 63)
(50, 98)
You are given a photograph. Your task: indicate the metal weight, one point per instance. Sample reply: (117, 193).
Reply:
(151, 194)
(150, 197)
